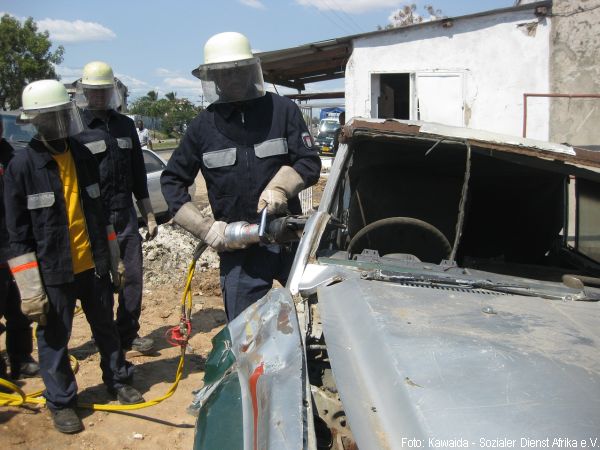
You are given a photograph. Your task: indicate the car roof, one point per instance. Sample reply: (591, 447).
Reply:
(396, 129)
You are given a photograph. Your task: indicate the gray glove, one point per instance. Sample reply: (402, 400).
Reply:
(286, 184)
(216, 236)
(117, 269)
(147, 213)
(205, 228)
(34, 302)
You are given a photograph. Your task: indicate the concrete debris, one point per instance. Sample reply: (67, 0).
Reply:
(167, 257)
(165, 313)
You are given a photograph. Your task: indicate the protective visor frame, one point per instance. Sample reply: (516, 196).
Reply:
(51, 125)
(114, 102)
(211, 76)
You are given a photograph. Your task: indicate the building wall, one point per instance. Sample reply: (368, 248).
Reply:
(575, 69)
(500, 56)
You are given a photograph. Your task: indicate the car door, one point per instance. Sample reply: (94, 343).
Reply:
(154, 168)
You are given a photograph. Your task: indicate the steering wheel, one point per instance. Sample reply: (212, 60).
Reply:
(403, 235)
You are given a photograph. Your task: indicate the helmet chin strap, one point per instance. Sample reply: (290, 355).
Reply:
(53, 150)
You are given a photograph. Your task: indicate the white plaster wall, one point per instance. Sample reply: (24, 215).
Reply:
(575, 69)
(500, 61)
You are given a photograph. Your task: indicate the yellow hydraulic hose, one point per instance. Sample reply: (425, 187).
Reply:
(20, 398)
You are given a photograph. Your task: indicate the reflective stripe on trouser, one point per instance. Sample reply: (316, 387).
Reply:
(61, 387)
(247, 275)
(130, 297)
(19, 342)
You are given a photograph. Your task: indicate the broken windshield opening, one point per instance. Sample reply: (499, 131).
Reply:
(441, 200)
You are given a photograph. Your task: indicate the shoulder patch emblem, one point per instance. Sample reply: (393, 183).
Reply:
(307, 140)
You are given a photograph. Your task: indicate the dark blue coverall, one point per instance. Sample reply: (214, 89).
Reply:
(116, 145)
(19, 342)
(36, 219)
(239, 148)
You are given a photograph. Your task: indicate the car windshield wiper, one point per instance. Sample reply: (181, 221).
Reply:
(440, 281)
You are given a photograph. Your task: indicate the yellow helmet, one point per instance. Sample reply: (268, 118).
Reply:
(97, 89)
(97, 74)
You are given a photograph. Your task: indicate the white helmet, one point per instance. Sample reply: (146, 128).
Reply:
(46, 104)
(230, 72)
(97, 88)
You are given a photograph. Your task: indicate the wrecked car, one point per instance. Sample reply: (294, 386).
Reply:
(444, 294)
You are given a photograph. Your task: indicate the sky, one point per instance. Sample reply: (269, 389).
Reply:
(155, 44)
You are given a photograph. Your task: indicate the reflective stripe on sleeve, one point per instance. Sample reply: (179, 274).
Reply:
(22, 267)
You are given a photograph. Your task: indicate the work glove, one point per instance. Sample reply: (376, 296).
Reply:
(117, 268)
(204, 228)
(215, 237)
(286, 184)
(34, 302)
(147, 213)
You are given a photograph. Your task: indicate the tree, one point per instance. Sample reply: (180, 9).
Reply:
(181, 113)
(145, 106)
(174, 113)
(152, 96)
(25, 56)
(408, 15)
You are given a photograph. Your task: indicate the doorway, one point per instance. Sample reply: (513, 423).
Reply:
(394, 97)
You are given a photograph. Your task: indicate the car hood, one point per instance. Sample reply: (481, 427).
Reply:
(447, 365)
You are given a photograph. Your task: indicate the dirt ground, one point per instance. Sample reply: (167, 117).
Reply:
(166, 425)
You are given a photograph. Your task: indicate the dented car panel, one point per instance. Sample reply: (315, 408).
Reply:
(442, 364)
(447, 290)
(253, 393)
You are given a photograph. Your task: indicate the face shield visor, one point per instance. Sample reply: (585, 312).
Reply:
(234, 81)
(98, 97)
(58, 122)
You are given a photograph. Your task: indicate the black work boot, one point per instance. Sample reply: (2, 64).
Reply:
(4, 375)
(143, 345)
(66, 420)
(26, 367)
(127, 395)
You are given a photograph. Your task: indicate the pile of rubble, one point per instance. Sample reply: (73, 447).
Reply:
(168, 256)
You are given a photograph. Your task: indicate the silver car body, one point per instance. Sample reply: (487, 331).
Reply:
(154, 168)
(493, 345)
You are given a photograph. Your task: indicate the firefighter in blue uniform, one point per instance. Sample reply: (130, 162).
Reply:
(254, 151)
(64, 249)
(19, 342)
(113, 139)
